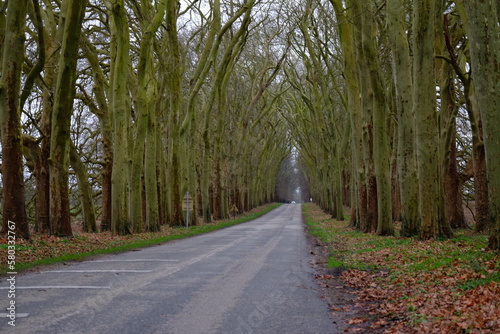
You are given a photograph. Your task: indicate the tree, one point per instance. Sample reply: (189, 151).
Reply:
(89, 217)
(376, 109)
(99, 106)
(485, 55)
(120, 63)
(429, 161)
(144, 155)
(346, 36)
(73, 12)
(402, 76)
(10, 118)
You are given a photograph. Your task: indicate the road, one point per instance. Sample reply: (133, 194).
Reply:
(250, 278)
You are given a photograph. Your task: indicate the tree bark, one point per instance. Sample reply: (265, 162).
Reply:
(451, 182)
(120, 223)
(350, 72)
(478, 152)
(102, 111)
(10, 120)
(424, 110)
(61, 118)
(174, 80)
(145, 132)
(406, 157)
(41, 174)
(84, 189)
(485, 57)
(43, 184)
(381, 147)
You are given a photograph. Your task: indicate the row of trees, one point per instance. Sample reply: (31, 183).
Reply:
(291, 183)
(119, 107)
(380, 89)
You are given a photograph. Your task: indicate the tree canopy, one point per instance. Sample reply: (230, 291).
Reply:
(111, 110)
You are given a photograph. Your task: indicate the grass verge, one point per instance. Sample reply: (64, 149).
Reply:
(445, 286)
(45, 250)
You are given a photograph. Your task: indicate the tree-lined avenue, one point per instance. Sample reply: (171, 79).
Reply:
(250, 278)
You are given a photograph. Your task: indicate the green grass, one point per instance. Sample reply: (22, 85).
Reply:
(180, 233)
(407, 273)
(18, 247)
(334, 263)
(469, 285)
(402, 256)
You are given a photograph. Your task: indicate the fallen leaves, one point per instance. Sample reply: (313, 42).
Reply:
(412, 286)
(357, 320)
(42, 246)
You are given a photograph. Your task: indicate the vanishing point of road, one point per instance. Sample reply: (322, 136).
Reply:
(250, 278)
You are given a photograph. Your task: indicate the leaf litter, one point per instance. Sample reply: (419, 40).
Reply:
(404, 285)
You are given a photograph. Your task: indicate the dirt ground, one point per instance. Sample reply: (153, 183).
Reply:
(349, 313)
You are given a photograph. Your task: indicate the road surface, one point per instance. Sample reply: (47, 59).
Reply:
(250, 278)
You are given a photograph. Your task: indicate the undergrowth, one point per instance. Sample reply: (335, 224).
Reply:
(448, 286)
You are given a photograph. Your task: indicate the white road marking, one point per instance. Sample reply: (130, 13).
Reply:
(58, 287)
(18, 315)
(98, 271)
(136, 260)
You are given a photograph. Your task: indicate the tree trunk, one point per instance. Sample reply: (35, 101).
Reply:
(150, 176)
(424, 109)
(107, 172)
(50, 77)
(10, 120)
(406, 157)
(368, 103)
(217, 204)
(381, 147)
(61, 119)
(355, 111)
(102, 111)
(485, 57)
(144, 159)
(41, 174)
(121, 114)
(84, 189)
(453, 194)
(205, 185)
(455, 216)
(174, 81)
(478, 152)
(480, 188)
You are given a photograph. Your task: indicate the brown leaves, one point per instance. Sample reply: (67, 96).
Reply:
(357, 320)
(42, 246)
(430, 302)
(420, 286)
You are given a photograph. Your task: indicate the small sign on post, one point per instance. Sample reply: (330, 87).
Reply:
(187, 205)
(234, 210)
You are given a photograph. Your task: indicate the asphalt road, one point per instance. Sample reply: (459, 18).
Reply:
(250, 278)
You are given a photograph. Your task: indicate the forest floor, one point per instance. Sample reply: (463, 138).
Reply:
(402, 285)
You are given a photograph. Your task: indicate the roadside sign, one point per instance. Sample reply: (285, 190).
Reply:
(187, 203)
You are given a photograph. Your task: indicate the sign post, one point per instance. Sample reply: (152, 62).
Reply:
(187, 205)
